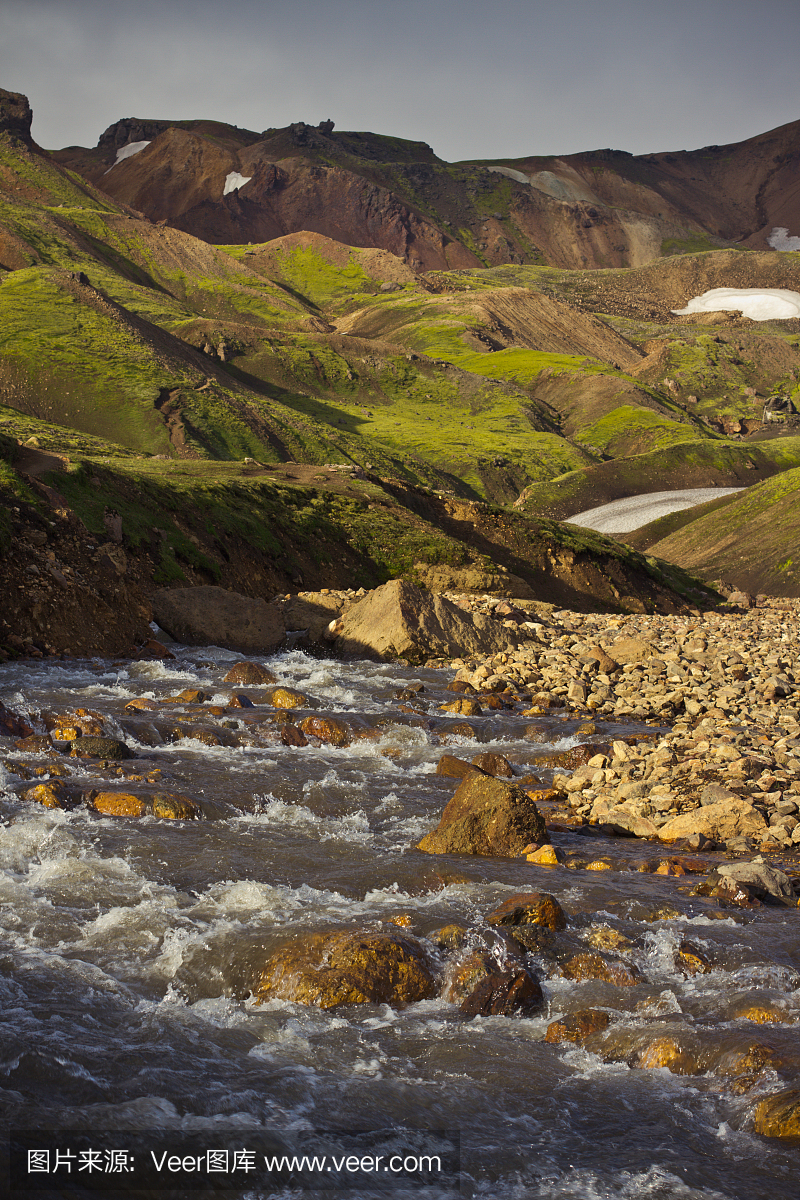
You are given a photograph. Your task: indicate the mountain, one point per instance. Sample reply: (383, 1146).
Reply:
(602, 208)
(308, 409)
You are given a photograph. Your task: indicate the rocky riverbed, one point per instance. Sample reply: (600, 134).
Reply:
(524, 893)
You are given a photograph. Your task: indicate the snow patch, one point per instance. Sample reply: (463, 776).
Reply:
(127, 152)
(759, 304)
(235, 180)
(780, 239)
(632, 512)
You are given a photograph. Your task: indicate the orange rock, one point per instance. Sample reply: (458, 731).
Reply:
(577, 1027)
(50, 795)
(467, 708)
(119, 804)
(530, 908)
(669, 867)
(598, 865)
(454, 768)
(593, 966)
(601, 937)
(291, 735)
(666, 1052)
(779, 1115)
(329, 730)
(282, 697)
(249, 674)
(174, 807)
(762, 1015)
(347, 967)
(493, 764)
(189, 696)
(546, 856)
(66, 733)
(691, 959)
(141, 705)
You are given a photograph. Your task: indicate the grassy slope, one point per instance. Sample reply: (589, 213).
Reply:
(752, 540)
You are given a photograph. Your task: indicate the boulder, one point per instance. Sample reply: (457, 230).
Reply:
(594, 966)
(329, 730)
(719, 822)
(577, 1027)
(50, 795)
(766, 881)
(212, 616)
(503, 991)
(530, 908)
(487, 816)
(347, 967)
(779, 1114)
(12, 725)
(250, 674)
(400, 620)
(99, 747)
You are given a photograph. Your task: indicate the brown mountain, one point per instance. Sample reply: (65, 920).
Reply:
(604, 208)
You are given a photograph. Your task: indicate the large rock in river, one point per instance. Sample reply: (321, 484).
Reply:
(399, 620)
(212, 616)
(347, 967)
(487, 816)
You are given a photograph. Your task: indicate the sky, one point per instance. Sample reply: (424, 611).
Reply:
(488, 79)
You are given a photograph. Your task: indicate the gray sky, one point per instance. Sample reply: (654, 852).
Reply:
(492, 79)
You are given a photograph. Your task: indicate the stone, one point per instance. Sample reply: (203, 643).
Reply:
(546, 856)
(503, 992)
(767, 882)
(529, 908)
(50, 795)
(119, 804)
(690, 959)
(12, 725)
(292, 736)
(174, 807)
(400, 620)
(631, 650)
(594, 966)
(454, 768)
(249, 674)
(778, 1115)
(100, 747)
(212, 616)
(347, 967)
(719, 822)
(282, 697)
(577, 1027)
(666, 1052)
(486, 816)
(493, 764)
(329, 730)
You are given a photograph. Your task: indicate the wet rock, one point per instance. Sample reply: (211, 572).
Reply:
(189, 696)
(37, 743)
(174, 807)
(347, 967)
(779, 1115)
(329, 730)
(464, 706)
(602, 937)
(399, 620)
(292, 736)
(767, 882)
(720, 821)
(100, 747)
(504, 992)
(50, 795)
(530, 908)
(486, 816)
(690, 959)
(212, 616)
(282, 697)
(577, 1027)
(493, 764)
(449, 937)
(141, 705)
(119, 804)
(546, 856)
(594, 966)
(666, 1052)
(12, 725)
(454, 768)
(249, 674)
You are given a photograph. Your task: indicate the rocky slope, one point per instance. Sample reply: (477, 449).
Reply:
(599, 209)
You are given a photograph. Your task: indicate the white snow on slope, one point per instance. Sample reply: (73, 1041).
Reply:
(127, 152)
(621, 516)
(780, 239)
(759, 304)
(235, 180)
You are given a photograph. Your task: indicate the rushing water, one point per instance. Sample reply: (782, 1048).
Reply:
(127, 946)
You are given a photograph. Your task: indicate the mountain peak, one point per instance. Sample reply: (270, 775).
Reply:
(16, 115)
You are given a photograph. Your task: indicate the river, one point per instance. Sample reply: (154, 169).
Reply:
(127, 946)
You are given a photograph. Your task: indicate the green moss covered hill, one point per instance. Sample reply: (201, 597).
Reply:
(330, 416)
